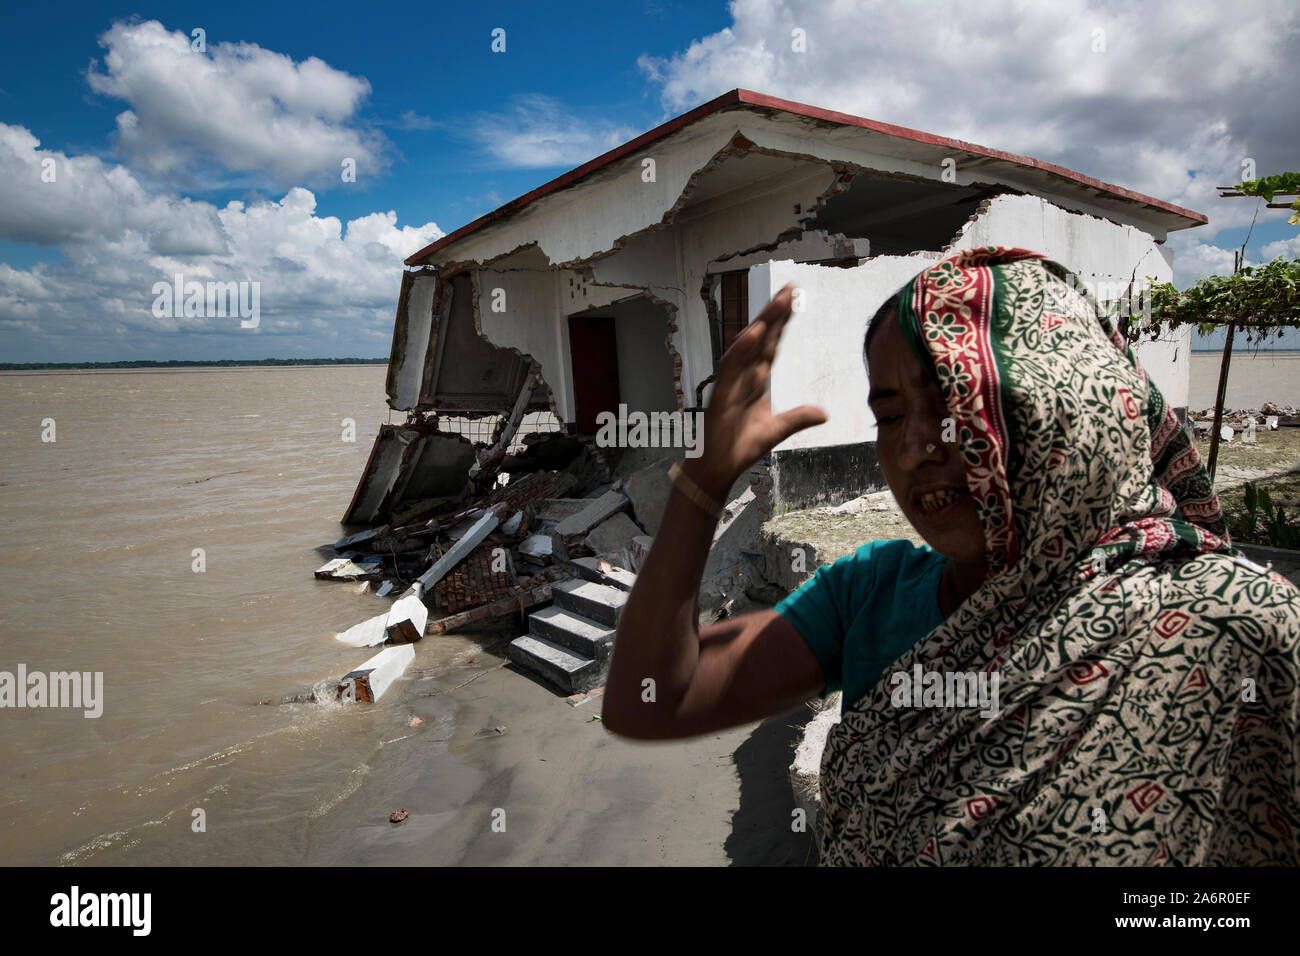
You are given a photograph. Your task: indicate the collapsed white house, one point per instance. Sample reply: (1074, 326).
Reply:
(621, 282)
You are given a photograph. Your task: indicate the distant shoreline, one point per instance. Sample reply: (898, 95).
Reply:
(178, 363)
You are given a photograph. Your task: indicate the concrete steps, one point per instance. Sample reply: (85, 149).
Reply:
(572, 673)
(573, 631)
(598, 602)
(569, 643)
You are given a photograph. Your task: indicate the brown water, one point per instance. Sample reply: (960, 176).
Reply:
(99, 529)
(1253, 379)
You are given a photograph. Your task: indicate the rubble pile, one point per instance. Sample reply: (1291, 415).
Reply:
(1268, 416)
(544, 536)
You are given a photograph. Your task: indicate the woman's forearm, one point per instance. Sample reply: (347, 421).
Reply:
(658, 641)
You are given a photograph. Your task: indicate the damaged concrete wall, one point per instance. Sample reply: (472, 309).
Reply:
(527, 309)
(729, 185)
(1100, 252)
(412, 338)
(645, 369)
(518, 309)
(820, 357)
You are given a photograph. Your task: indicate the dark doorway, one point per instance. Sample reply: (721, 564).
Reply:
(594, 350)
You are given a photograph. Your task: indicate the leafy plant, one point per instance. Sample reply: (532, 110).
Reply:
(1262, 301)
(1281, 533)
(1286, 183)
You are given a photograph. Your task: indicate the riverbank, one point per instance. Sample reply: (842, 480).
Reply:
(501, 771)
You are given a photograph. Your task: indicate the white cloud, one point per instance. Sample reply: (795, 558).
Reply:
(1181, 95)
(234, 108)
(538, 131)
(1288, 248)
(336, 283)
(88, 200)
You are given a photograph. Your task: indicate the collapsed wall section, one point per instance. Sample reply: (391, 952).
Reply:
(820, 358)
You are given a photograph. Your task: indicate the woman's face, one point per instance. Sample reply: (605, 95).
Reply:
(924, 473)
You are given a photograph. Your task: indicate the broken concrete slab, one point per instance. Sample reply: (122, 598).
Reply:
(343, 569)
(369, 633)
(557, 509)
(536, 546)
(361, 537)
(596, 511)
(406, 620)
(368, 682)
(512, 524)
(805, 770)
(613, 534)
(649, 489)
(410, 466)
(461, 527)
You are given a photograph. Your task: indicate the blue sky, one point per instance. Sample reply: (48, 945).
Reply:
(227, 160)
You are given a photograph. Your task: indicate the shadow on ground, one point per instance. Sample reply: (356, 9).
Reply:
(762, 829)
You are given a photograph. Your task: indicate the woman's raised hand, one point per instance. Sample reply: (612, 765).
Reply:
(739, 427)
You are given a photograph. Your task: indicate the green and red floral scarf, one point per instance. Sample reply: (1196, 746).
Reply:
(1148, 675)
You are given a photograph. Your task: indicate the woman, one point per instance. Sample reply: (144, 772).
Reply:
(1147, 676)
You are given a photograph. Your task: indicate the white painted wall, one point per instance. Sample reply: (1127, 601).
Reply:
(419, 324)
(1098, 251)
(535, 322)
(819, 360)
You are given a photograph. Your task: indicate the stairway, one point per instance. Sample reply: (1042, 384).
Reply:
(569, 643)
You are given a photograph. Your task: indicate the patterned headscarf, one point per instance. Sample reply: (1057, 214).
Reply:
(1149, 676)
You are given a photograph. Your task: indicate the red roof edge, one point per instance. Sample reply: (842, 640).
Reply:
(739, 97)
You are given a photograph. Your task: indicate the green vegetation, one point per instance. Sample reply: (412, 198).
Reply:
(1264, 512)
(1261, 301)
(1281, 532)
(1288, 184)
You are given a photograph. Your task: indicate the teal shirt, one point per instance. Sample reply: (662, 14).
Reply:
(865, 611)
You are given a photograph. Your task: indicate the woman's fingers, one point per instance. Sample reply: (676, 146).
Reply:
(755, 336)
(777, 322)
(796, 420)
(752, 351)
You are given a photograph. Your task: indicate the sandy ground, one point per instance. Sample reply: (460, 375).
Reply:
(568, 792)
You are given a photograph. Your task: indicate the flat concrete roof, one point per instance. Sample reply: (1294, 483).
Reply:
(760, 102)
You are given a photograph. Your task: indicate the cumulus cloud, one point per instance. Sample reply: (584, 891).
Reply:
(48, 197)
(1167, 97)
(538, 131)
(317, 275)
(199, 116)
